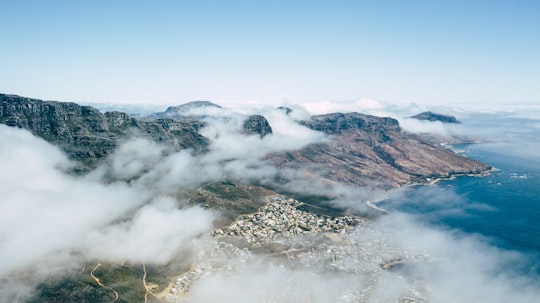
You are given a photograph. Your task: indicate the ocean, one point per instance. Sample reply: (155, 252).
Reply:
(503, 208)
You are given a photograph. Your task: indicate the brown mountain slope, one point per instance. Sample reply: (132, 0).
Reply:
(365, 150)
(361, 150)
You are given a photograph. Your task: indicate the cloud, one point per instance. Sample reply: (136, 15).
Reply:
(362, 105)
(50, 220)
(133, 158)
(383, 109)
(263, 282)
(432, 202)
(227, 139)
(155, 234)
(42, 209)
(232, 154)
(418, 126)
(465, 269)
(436, 266)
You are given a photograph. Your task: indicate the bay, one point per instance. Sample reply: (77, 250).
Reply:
(502, 208)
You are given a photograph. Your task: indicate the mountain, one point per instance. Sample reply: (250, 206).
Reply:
(431, 116)
(188, 110)
(200, 110)
(362, 149)
(257, 124)
(365, 150)
(358, 150)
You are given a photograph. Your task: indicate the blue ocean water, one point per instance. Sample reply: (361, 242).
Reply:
(502, 208)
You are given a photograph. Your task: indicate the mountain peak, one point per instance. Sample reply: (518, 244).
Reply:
(190, 110)
(431, 116)
(192, 105)
(336, 123)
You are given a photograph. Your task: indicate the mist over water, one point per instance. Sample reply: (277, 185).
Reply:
(504, 207)
(467, 240)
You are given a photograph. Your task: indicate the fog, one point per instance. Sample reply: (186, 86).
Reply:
(51, 221)
(128, 210)
(438, 266)
(43, 210)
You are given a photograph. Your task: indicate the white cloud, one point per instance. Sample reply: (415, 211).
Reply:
(466, 269)
(227, 141)
(135, 157)
(419, 126)
(47, 217)
(51, 221)
(438, 266)
(155, 234)
(43, 210)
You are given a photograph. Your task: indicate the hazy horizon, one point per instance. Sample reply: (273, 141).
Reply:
(272, 52)
(476, 60)
(53, 223)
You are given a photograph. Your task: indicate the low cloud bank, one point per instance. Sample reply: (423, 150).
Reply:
(50, 221)
(155, 234)
(44, 211)
(432, 266)
(48, 216)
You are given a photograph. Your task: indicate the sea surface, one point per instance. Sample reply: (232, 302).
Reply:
(502, 208)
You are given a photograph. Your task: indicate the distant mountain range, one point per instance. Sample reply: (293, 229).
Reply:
(357, 150)
(361, 149)
(431, 116)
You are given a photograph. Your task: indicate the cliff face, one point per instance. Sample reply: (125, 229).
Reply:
(86, 134)
(361, 150)
(257, 124)
(200, 110)
(338, 123)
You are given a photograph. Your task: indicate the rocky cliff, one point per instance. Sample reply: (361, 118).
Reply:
(366, 150)
(201, 110)
(361, 150)
(86, 134)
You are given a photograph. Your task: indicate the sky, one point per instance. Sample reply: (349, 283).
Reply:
(271, 52)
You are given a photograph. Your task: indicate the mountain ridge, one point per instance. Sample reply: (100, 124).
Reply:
(358, 150)
(432, 117)
(362, 148)
(89, 136)
(366, 150)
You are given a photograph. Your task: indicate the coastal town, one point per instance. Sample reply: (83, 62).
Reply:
(282, 232)
(279, 229)
(280, 218)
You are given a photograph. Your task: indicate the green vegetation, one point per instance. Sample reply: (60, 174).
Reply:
(124, 280)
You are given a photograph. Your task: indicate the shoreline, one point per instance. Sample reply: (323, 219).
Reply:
(431, 182)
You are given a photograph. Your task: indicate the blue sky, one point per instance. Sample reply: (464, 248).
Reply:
(170, 52)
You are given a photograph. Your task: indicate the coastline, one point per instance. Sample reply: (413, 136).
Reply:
(429, 182)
